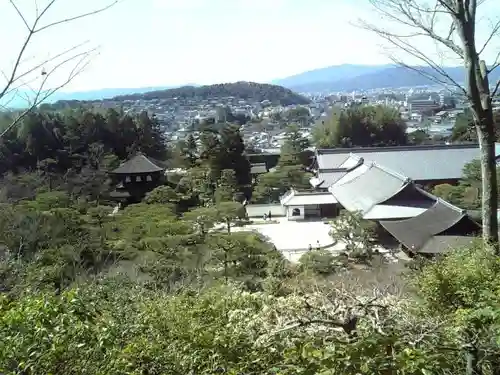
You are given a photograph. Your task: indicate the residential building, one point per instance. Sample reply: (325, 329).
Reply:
(422, 105)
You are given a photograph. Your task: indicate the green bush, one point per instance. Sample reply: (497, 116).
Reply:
(321, 262)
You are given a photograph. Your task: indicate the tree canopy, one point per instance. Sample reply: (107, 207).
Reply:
(361, 126)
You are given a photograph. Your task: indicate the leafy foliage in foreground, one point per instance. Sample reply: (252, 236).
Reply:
(114, 328)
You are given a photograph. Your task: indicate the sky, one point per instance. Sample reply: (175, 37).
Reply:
(145, 43)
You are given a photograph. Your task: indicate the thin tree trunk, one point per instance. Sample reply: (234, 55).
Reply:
(479, 96)
(489, 185)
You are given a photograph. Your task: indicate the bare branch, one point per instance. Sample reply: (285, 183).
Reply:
(495, 90)
(70, 19)
(15, 79)
(403, 42)
(20, 14)
(494, 32)
(496, 63)
(412, 16)
(42, 94)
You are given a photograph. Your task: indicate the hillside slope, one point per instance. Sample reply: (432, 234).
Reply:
(392, 77)
(238, 90)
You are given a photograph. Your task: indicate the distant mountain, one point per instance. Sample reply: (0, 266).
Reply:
(328, 74)
(239, 90)
(388, 77)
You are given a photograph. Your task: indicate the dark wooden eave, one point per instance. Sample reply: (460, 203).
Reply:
(415, 233)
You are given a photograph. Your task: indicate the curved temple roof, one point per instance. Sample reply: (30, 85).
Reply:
(366, 186)
(415, 232)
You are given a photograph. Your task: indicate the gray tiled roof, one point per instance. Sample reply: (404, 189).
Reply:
(138, 164)
(304, 198)
(415, 232)
(331, 176)
(366, 186)
(437, 162)
(443, 244)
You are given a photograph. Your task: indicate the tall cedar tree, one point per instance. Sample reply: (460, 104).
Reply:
(225, 149)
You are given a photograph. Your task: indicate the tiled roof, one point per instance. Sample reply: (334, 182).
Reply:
(415, 232)
(366, 186)
(138, 164)
(443, 244)
(295, 198)
(331, 176)
(436, 162)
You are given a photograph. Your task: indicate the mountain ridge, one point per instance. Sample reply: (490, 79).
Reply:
(329, 73)
(389, 76)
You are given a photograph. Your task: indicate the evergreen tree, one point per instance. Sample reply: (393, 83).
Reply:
(226, 187)
(292, 150)
(225, 150)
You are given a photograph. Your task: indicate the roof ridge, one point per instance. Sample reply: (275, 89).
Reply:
(360, 161)
(392, 172)
(452, 206)
(341, 150)
(442, 201)
(311, 192)
(148, 160)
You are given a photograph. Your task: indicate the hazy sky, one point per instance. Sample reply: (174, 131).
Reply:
(168, 42)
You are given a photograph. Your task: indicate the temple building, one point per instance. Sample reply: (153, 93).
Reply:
(427, 165)
(136, 177)
(421, 222)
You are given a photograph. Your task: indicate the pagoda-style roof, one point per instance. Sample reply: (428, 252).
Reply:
(140, 163)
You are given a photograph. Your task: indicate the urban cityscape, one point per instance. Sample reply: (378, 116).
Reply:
(433, 110)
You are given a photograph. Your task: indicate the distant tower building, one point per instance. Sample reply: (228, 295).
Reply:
(441, 99)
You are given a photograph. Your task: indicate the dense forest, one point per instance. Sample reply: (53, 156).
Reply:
(240, 90)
